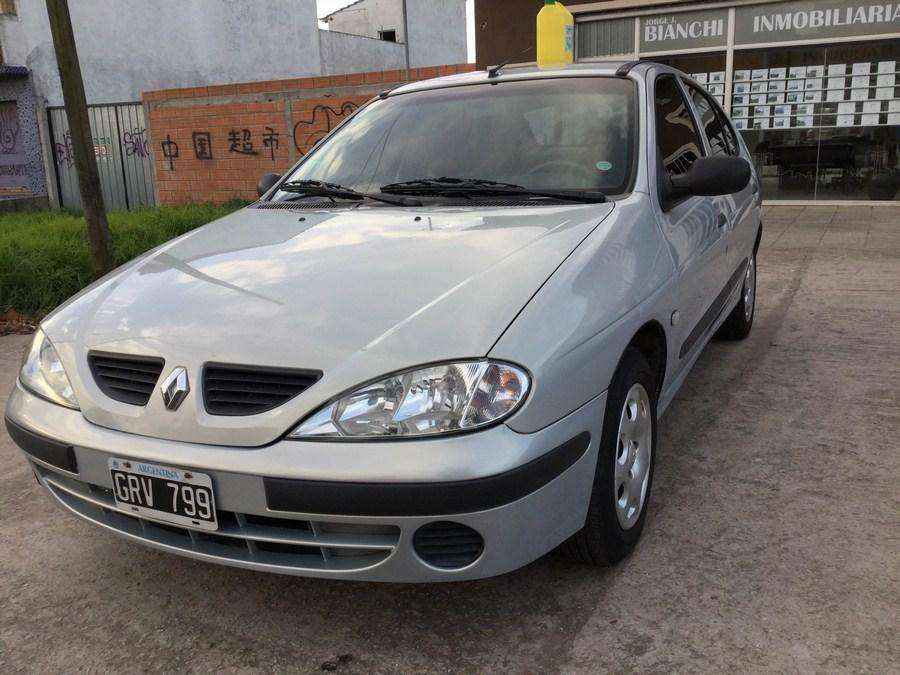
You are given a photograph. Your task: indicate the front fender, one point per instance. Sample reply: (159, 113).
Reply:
(574, 330)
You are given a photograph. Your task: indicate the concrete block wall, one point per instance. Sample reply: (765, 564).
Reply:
(213, 143)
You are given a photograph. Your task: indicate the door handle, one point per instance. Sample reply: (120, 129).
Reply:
(722, 220)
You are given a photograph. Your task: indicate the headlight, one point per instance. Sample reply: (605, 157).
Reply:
(423, 402)
(43, 373)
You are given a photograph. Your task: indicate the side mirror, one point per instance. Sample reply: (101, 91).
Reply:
(713, 176)
(266, 182)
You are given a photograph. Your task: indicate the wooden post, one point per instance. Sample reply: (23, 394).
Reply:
(82, 142)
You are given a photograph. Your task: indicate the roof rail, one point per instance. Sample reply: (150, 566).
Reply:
(625, 68)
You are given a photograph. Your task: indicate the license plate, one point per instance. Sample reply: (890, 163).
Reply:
(164, 493)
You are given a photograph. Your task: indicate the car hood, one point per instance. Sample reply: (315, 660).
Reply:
(354, 292)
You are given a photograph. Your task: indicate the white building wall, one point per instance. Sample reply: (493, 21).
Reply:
(367, 17)
(437, 32)
(437, 27)
(126, 47)
(342, 53)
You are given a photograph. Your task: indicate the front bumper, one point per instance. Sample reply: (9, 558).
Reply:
(336, 510)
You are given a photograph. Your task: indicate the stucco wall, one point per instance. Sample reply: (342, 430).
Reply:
(343, 53)
(129, 46)
(437, 32)
(26, 129)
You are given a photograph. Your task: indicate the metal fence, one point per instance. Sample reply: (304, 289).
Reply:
(122, 148)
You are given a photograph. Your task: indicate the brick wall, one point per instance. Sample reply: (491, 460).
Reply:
(213, 143)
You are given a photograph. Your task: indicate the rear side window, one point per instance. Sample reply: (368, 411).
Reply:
(718, 133)
(677, 140)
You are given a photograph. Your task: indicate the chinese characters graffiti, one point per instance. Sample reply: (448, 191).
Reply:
(170, 151)
(241, 142)
(270, 141)
(202, 144)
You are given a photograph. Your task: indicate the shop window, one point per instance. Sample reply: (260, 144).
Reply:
(677, 139)
(707, 70)
(821, 122)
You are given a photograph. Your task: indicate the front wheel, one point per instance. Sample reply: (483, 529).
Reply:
(738, 324)
(624, 474)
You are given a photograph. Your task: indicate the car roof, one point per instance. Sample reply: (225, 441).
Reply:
(528, 71)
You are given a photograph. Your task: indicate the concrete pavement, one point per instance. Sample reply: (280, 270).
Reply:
(773, 541)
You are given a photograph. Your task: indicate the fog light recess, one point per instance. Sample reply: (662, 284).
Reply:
(447, 545)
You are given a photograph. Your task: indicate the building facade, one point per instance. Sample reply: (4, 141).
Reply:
(811, 86)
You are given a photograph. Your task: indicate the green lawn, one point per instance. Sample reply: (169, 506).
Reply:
(44, 254)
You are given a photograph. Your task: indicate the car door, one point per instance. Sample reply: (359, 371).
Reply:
(693, 226)
(741, 208)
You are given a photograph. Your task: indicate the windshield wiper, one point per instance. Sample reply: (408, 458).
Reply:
(318, 188)
(467, 187)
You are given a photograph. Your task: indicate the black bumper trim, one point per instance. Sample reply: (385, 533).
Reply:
(47, 450)
(423, 499)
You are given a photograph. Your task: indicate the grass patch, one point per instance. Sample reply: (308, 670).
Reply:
(44, 255)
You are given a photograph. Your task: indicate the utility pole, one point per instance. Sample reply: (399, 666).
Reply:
(406, 38)
(82, 143)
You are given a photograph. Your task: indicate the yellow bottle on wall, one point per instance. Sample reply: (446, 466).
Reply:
(555, 35)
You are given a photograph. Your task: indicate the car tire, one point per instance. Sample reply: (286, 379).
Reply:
(738, 324)
(623, 474)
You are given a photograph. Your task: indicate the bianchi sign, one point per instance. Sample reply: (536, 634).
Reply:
(684, 30)
(757, 24)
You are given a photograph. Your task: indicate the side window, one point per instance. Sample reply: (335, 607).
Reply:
(719, 142)
(734, 148)
(677, 141)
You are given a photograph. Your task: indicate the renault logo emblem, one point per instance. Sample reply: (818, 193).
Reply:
(175, 388)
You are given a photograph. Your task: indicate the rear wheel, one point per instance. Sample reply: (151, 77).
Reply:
(624, 473)
(738, 324)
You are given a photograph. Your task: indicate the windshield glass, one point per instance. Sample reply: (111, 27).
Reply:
(547, 134)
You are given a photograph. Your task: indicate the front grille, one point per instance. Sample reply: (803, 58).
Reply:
(261, 542)
(129, 379)
(248, 390)
(448, 545)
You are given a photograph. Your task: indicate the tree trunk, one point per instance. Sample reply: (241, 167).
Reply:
(82, 142)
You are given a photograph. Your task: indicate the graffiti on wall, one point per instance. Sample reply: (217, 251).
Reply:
(244, 142)
(323, 119)
(202, 142)
(170, 151)
(136, 143)
(13, 164)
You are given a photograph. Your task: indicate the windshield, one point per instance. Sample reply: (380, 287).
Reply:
(546, 134)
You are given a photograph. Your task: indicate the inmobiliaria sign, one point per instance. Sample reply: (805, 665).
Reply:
(757, 24)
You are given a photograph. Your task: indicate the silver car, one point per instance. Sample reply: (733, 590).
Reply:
(433, 350)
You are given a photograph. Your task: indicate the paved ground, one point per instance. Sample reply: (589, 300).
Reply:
(773, 542)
